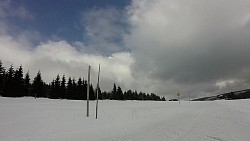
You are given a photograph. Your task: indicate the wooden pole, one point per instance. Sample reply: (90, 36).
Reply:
(88, 92)
(97, 92)
(189, 96)
(178, 94)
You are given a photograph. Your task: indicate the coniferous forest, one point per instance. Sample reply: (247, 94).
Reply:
(14, 83)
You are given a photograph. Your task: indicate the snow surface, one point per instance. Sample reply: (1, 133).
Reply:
(29, 119)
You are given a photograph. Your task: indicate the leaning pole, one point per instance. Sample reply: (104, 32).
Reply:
(88, 92)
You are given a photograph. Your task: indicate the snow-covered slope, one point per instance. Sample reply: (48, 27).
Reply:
(29, 119)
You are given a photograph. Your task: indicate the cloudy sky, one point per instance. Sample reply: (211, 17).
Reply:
(199, 47)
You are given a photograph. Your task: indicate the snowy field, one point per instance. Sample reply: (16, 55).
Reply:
(29, 119)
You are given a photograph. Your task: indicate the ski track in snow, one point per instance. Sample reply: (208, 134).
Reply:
(29, 119)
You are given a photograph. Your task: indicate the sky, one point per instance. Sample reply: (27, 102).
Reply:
(196, 47)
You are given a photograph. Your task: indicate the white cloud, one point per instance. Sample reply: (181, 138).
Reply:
(54, 58)
(12, 51)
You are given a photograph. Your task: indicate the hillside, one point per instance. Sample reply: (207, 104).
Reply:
(242, 94)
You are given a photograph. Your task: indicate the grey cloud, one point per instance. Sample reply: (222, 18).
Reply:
(104, 29)
(187, 44)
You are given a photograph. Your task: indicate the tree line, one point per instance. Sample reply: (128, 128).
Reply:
(118, 94)
(13, 83)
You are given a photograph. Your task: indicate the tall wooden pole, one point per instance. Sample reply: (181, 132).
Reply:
(97, 92)
(88, 92)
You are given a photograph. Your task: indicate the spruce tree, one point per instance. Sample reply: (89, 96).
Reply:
(2, 76)
(104, 95)
(80, 89)
(46, 89)
(57, 87)
(100, 96)
(27, 85)
(140, 96)
(85, 85)
(125, 95)
(119, 93)
(9, 90)
(113, 93)
(135, 95)
(19, 82)
(63, 88)
(163, 99)
(74, 89)
(38, 86)
(91, 93)
(52, 89)
(130, 95)
(148, 97)
(69, 89)
(144, 95)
